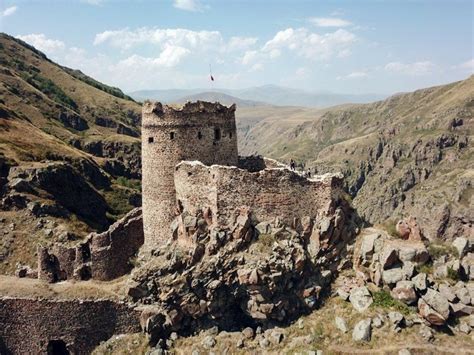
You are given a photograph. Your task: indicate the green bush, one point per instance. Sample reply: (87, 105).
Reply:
(98, 85)
(390, 227)
(453, 275)
(437, 250)
(49, 88)
(130, 183)
(384, 299)
(425, 268)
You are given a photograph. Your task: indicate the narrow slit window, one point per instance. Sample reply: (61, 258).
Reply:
(199, 135)
(150, 140)
(217, 134)
(230, 134)
(172, 135)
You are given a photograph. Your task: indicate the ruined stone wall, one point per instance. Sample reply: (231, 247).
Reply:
(270, 193)
(28, 325)
(197, 131)
(104, 256)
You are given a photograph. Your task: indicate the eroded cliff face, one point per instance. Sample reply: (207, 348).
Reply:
(408, 155)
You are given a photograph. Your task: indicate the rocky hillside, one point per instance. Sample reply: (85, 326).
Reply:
(410, 154)
(69, 152)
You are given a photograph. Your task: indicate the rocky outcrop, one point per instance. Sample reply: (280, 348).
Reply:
(396, 264)
(245, 273)
(63, 184)
(73, 120)
(408, 229)
(123, 159)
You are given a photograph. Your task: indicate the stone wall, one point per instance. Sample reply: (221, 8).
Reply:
(103, 256)
(270, 193)
(197, 131)
(28, 326)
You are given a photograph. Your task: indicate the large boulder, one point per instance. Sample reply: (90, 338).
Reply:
(404, 291)
(360, 298)
(434, 307)
(408, 228)
(362, 330)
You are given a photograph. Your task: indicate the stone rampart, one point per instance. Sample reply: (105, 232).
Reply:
(270, 193)
(34, 326)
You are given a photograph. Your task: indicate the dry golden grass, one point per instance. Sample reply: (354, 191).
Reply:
(87, 290)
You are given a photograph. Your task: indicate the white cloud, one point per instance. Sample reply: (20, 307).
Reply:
(249, 57)
(329, 22)
(44, 44)
(311, 45)
(189, 5)
(171, 56)
(94, 2)
(126, 39)
(302, 72)
(469, 65)
(353, 75)
(241, 43)
(8, 11)
(256, 67)
(415, 69)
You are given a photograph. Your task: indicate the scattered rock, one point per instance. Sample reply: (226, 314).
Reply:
(434, 307)
(209, 342)
(461, 245)
(362, 330)
(248, 333)
(420, 282)
(276, 337)
(343, 294)
(389, 257)
(460, 309)
(447, 292)
(341, 324)
(396, 319)
(377, 321)
(360, 298)
(264, 343)
(426, 332)
(405, 292)
(392, 276)
(464, 328)
(463, 294)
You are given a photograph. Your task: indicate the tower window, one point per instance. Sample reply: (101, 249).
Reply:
(150, 139)
(230, 134)
(217, 134)
(172, 135)
(199, 135)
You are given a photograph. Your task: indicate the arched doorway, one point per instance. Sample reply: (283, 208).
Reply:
(57, 347)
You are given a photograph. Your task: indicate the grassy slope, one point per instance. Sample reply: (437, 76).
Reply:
(34, 91)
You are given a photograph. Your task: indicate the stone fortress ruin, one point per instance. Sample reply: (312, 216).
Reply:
(200, 197)
(191, 165)
(197, 131)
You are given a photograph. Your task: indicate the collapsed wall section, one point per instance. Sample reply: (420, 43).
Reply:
(31, 326)
(103, 256)
(270, 193)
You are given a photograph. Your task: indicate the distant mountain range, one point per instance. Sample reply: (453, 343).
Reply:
(254, 96)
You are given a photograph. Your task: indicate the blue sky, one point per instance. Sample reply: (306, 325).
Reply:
(340, 46)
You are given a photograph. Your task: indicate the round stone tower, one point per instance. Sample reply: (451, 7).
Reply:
(196, 131)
